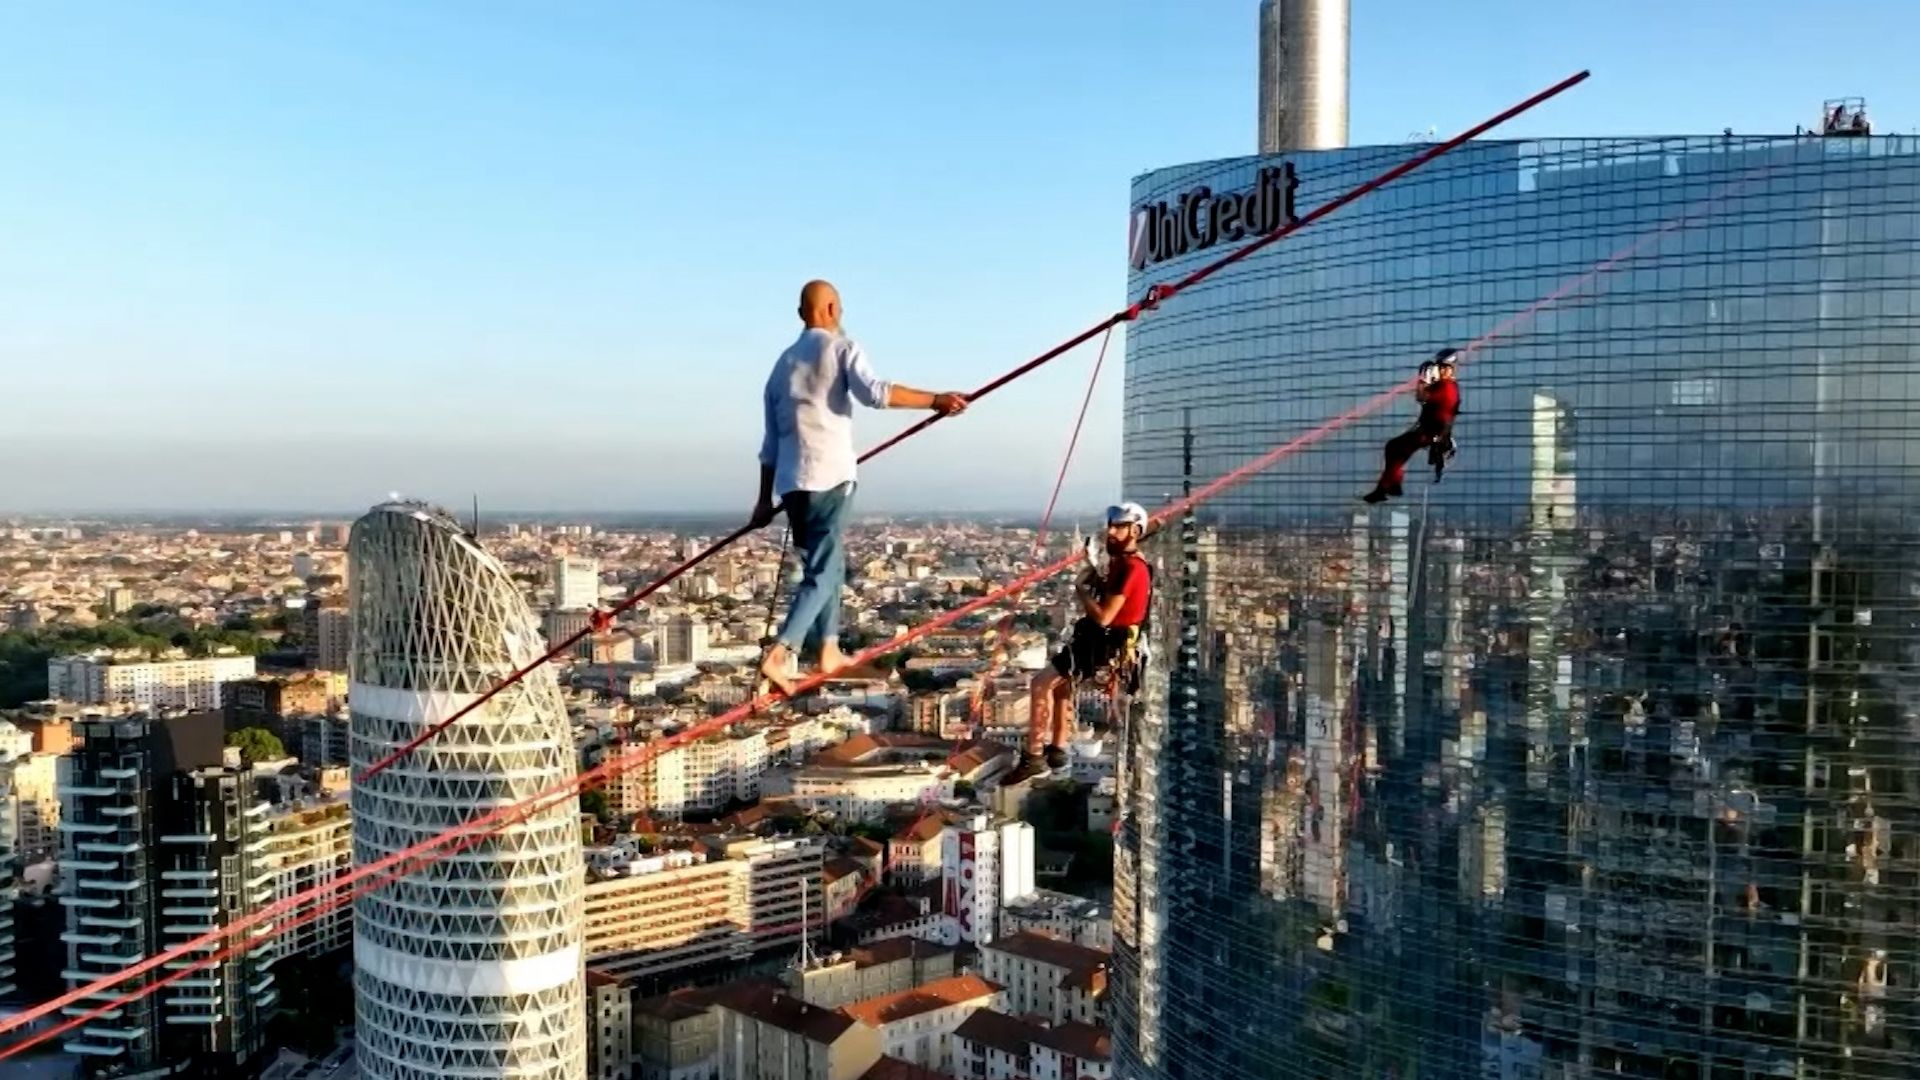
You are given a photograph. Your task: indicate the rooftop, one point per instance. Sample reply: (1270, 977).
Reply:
(771, 1006)
(1080, 962)
(939, 994)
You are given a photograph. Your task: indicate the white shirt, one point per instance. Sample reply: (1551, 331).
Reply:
(809, 411)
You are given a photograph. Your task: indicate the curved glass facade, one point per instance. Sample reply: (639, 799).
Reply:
(1602, 756)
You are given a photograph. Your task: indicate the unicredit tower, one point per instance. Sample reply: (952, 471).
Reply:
(1601, 756)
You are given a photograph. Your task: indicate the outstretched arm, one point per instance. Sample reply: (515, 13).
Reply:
(870, 390)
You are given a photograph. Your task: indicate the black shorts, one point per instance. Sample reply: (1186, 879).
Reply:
(1092, 650)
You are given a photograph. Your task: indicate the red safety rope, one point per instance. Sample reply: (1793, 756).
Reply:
(613, 766)
(997, 654)
(1154, 295)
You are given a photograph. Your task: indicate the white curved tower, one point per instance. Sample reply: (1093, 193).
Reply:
(472, 965)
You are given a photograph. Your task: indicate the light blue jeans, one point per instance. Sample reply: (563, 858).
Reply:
(817, 518)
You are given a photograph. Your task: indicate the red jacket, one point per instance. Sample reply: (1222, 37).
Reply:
(1439, 404)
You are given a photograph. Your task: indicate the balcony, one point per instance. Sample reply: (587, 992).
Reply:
(74, 937)
(93, 848)
(189, 875)
(203, 1021)
(189, 838)
(88, 902)
(87, 864)
(66, 791)
(88, 827)
(117, 960)
(119, 774)
(92, 1049)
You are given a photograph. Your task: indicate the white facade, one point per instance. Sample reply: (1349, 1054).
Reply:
(308, 848)
(472, 965)
(576, 583)
(664, 912)
(864, 795)
(983, 867)
(191, 684)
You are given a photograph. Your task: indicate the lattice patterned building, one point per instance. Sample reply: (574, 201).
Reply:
(471, 965)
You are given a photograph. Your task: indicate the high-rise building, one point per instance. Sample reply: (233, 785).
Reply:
(576, 583)
(10, 860)
(329, 634)
(188, 684)
(1591, 760)
(160, 842)
(472, 964)
(683, 639)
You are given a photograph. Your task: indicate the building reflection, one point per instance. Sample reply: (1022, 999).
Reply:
(1553, 773)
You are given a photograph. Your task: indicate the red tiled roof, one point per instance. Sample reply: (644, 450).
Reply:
(892, 1068)
(1007, 1034)
(1084, 1041)
(939, 994)
(837, 868)
(1080, 962)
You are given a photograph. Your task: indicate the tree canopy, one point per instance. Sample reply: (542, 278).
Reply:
(257, 743)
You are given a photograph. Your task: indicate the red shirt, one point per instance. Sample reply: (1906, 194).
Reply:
(1441, 403)
(1128, 576)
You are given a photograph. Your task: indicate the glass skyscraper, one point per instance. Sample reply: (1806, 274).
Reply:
(1600, 757)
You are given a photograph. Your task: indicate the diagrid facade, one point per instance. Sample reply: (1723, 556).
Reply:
(471, 965)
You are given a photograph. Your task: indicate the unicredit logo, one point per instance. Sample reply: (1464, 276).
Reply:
(1200, 219)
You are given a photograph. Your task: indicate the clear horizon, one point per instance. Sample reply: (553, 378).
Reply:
(263, 260)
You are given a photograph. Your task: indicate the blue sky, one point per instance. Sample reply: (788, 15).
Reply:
(296, 256)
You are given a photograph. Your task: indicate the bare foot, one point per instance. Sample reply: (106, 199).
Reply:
(831, 658)
(774, 666)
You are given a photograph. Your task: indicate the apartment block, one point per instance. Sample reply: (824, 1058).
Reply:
(310, 845)
(185, 683)
(649, 915)
(609, 1026)
(162, 841)
(1046, 977)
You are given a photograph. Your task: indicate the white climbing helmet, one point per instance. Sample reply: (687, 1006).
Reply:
(1128, 513)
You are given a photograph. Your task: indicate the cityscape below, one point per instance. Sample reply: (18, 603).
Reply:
(1499, 660)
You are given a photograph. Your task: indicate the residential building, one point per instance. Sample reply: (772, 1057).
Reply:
(984, 865)
(276, 702)
(36, 792)
(328, 634)
(310, 844)
(181, 683)
(683, 639)
(648, 915)
(559, 624)
(437, 619)
(677, 1036)
(917, 1025)
(991, 1045)
(10, 863)
(161, 841)
(326, 739)
(609, 1027)
(784, 894)
(767, 1035)
(870, 971)
(1046, 977)
(576, 583)
(1060, 915)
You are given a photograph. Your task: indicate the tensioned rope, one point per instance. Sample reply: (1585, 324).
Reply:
(1154, 295)
(490, 821)
(996, 654)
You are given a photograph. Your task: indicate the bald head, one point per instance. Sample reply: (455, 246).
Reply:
(820, 305)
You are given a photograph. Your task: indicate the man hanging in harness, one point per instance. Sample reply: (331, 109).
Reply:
(1439, 397)
(1105, 647)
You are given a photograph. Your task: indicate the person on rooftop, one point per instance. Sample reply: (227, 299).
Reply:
(807, 467)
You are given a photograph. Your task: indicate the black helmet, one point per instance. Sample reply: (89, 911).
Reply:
(1445, 357)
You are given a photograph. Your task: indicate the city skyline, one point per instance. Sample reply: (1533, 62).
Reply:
(287, 240)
